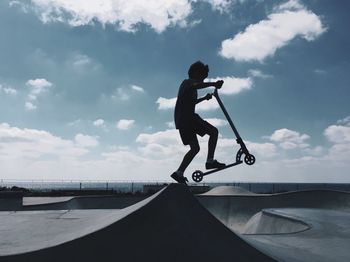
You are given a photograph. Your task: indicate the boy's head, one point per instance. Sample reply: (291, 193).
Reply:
(198, 70)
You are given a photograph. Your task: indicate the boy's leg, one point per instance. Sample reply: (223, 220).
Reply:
(178, 175)
(213, 139)
(194, 149)
(212, 131)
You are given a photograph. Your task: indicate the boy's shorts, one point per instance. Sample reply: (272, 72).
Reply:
(198, 126)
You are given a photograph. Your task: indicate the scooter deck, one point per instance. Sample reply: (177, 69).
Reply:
(222, 168)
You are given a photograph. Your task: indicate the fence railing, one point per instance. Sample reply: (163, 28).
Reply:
(134, 186)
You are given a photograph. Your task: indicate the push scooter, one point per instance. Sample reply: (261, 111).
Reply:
(249, 159)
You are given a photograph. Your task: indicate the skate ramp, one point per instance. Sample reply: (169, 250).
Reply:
(79, 202)
(272, 223)
(33, 201)
(10, 200)
(235, 211)
(327, 239)
(227, 191)
(169, 226)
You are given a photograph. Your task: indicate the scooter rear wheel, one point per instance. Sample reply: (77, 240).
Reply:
(249, 159)
(197, 176)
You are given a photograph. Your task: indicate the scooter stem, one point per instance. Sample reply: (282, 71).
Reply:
(239, 139)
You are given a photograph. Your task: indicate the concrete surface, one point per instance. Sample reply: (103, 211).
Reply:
(32, 201)
(327, 239)
(268, 221)
(79, 202)
(227, 190)
(169, 226)
(174, 225)
(235, 211)
(10, 200)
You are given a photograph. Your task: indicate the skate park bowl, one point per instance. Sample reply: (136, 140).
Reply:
(226, 224)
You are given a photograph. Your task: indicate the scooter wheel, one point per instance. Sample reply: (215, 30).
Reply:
(197, 176)
(249, 159)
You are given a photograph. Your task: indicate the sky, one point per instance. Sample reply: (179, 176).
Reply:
(88, 88)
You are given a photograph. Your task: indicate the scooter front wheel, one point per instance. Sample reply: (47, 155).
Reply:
(197, 176)
(249, 159)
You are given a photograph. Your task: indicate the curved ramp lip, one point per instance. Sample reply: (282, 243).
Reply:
(310, 191)
(107, 220)
(40, 201)
(227, 191)
(279, 214)
(278, 194)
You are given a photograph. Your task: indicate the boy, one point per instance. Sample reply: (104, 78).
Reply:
(190, 124)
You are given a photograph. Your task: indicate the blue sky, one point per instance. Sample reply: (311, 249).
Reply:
(87, 88)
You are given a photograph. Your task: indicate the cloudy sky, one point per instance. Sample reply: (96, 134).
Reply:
(87, 88)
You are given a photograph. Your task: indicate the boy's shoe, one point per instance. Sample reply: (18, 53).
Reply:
(178, 178)
(214, 164)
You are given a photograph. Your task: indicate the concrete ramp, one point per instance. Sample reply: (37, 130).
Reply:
(79, 202)
(169, 226)
(227, 191)
(269, 222)
(234, 211)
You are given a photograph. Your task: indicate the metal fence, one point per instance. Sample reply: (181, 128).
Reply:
(138, 186)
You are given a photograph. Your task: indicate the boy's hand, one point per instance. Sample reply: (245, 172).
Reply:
(208, 96)
(218, 84)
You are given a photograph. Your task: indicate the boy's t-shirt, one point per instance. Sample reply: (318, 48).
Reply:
(185, 104)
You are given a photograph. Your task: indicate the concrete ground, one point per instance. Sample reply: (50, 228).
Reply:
(227, 224)
(168, 226)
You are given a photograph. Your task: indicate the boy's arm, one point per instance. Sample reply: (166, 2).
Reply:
(207, 97)
(201, 85)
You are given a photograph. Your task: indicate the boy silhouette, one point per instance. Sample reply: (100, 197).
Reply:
(190, 124)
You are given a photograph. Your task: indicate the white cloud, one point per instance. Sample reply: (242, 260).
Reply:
(217, 121)
(345, 121)
(168, 137)
(207, 105)
(294, 5)
(80, 60)
(120, 94)
(31, 143)
(37, 87)
(137, 88)
(339, 154)
(125, 15)
(261, 40)
(82, 63)
(125, 124)
(29, 106)
(8, 90)
(86, 140)
(75, 123)
(289, 139)
(258, 74)
(233, 85)
(99, 122)
(316, 151)
(262, 149)
(170, 124)
(169, 103)
(30, 154)
(165, 103)
(320, 71)
(160, 145)
(126, 93)
(220, 5)
(338, 134)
